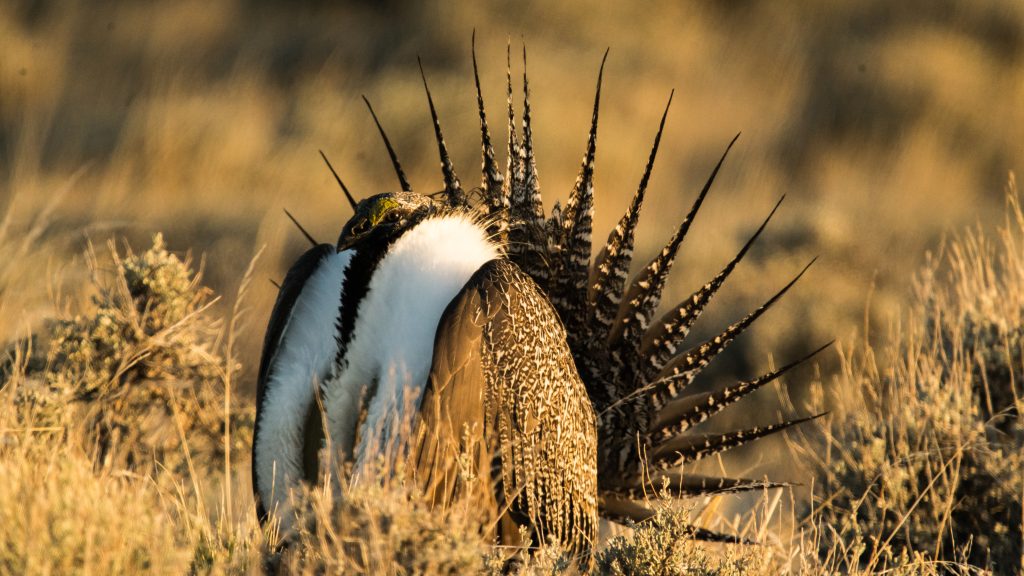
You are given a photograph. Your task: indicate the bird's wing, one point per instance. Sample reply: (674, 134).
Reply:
(299, 350)
(504, 402)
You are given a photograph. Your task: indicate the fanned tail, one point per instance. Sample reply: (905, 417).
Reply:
(634, 369)
(637, 372)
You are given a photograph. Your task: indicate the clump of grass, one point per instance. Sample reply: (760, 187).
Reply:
(383, 527)
(62, 515)
(663, 546)
(138, 370)
(131, 395)
(929, 466)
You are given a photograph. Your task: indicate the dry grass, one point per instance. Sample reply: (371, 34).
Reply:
(925, 458)
(125, 413)
(107, 473)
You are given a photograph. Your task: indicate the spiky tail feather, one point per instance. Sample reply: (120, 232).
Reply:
(634, 370)
(635, 373)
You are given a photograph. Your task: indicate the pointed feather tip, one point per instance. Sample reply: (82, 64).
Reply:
(485, 135)
(664, 113)
(402, 181)
(771, 301)
(301, 229)
(476, 73)
(786, 368)
(348, 195)
(684, 226)
(714, 174)
(728, 148)
(817, 351)
(600, 80)
(433, 110)
(753, 238)
(649, 167)
(423, 75)
(805, 269)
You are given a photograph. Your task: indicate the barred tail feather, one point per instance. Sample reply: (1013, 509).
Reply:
(492, 181)
(527, 243)
(531, 206)
(681, 414)
(682, 485)
(689, 447)
(644, 294)
(569, 292)
(576, 195)
(680, 371)
(659, 344)
(452, 187)
(531, 180)
(611, 267)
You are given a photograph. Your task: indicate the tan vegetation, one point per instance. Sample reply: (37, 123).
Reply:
(125, 408)
(926, 456)
(114, 445)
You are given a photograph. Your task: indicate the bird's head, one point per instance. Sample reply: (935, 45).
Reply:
(380, 218)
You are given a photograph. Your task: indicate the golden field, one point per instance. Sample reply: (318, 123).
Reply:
(892, 129)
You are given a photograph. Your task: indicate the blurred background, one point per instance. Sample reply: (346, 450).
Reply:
(886, 125)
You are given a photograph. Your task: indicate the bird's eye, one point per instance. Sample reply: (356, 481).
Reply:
(361, 227)
(393, 217)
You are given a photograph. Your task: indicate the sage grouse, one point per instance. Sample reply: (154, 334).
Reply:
(484, 323)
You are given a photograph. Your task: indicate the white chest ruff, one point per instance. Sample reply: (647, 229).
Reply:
(305, 358)
(391, 350)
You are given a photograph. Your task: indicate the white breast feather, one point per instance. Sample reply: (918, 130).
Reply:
(393, 340)
(305, 357)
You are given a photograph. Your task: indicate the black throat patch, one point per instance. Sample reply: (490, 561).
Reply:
(360, 270)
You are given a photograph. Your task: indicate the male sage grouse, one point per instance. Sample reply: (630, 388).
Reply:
(469, 323)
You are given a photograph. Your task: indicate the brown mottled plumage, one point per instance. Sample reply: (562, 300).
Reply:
(530, 408)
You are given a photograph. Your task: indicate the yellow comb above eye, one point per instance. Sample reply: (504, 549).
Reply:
(380, 208)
